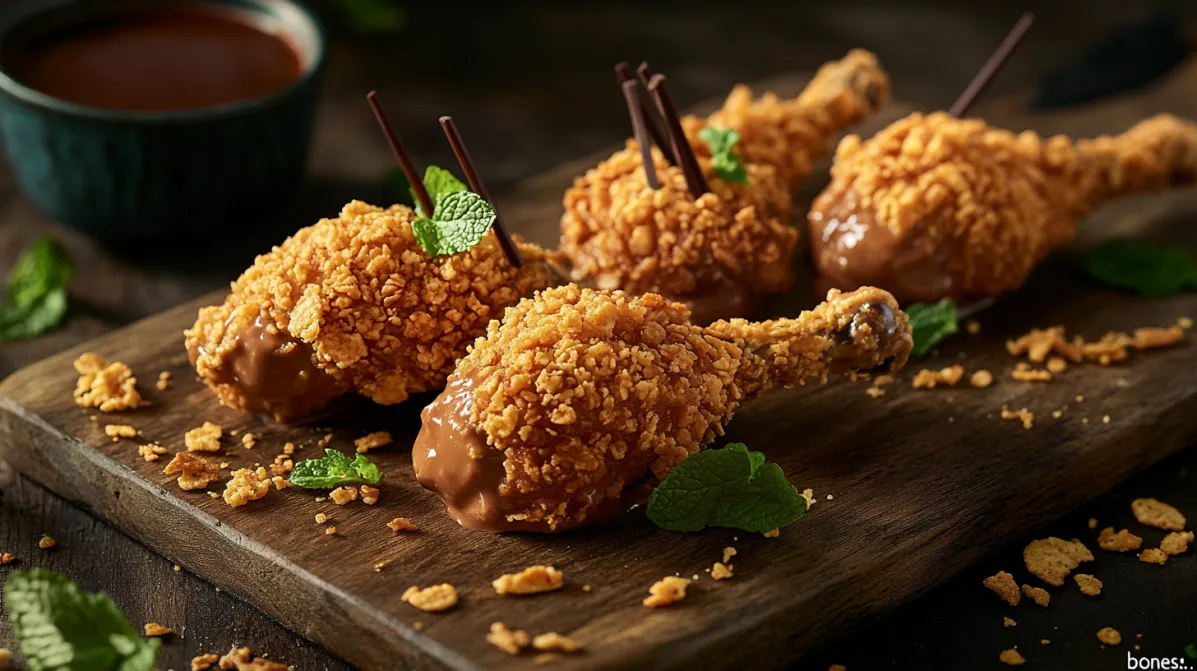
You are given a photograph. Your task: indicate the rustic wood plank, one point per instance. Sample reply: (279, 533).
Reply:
(917, 497)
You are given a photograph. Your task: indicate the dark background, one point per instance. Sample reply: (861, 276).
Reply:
(530, 85)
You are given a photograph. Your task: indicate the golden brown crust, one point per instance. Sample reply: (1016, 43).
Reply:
(382, 317)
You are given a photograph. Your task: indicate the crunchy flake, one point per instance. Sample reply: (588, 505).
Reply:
(321, 518)
(772, 533)
(431, 599)
(1002, 584)
(163, 380)
(401, 524)
(1037, 344)
(203, 662)
(1122, 541)
(1024, 373)
(118, 431)
(1056, 365)
(981, 379)
(1153, 556)
(665, 591)
(240, 659)
(1109, 636)
(1176, 543)
(151, 452)
(510, 641)
(1089, 585)
(1007, 622)
(246, 486)
(46, 543)
(1011, 657)
(1158, 514)
(155, 629)
(372, 441)
(728, 553)
(195, 472)
(532, 580)
(104, 386)
(1023, 415)
(1052, 559)
(1037, 594)
(7, 558)
(554, 642)
(343, 495)
(369, 494)
(721, 571)
(249, 440)
(929, 379)
(875, 392)
(205, 438)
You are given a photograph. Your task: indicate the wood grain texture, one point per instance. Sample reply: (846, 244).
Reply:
(924, 483)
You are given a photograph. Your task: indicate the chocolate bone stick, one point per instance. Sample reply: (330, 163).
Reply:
(695, 182)
(623, 74)
(631, 91)
(467, 164)
(401, 155)
(993, 65)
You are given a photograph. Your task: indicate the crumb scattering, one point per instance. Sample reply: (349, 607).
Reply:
(1039, 343)
(247, 485)
(321, 518)
(372, 441)
(532, 580)
(1056, 365)
(329, 531)
(431, 599)
(108, 387)
(1037, 594)
(721, 571)
(510, 641)
(554, 642)
(1024, 373)
(1052, 559)
(203, 662)
(1023, 415)
(981, 379)
(249, 440)
(7, 558)
(929, 379)
(1158, 514)
(46, 543)
(163, 380)
(343, 495)
(151, 451)
(242, 660)
(1089, 585)
(772, 533)
(1123, 541)
(1011, 657)
(1002, 584)
(401, 524)
(728, 553)
(118, 431)
(1008, 622)
(1109, 636)
(204, 438)
(875, 392)
(369, 494)
(155, 629)
(665, 591)
(1176, 543)
(1153, 556)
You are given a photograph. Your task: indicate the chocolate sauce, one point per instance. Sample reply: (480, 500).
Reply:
(851, 249)
(274, 373)
(158, 59)
(721, 297)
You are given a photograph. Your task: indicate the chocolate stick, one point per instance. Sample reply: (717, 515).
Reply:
(409, 170)
(992, 66)
(631, 91)
(467, 164)
(623, 73)
(695, 182)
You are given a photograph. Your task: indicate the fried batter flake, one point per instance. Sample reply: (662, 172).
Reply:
(1002, 584)
(1123, 541)
(247, 485)
(1052, 559)
(108, 387)
(532, 580)
(194, 472)
(665, 591)
(1158, 514)
(431, 599)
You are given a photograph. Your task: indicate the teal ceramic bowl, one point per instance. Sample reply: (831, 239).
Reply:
(135, 175)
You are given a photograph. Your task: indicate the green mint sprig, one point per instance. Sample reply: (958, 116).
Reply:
(439, 183)
(460, 221)
(333, 470)
(374, 16)
(60, 627)
(37, 291)
(1154, 271)
(729, 487)
(724, 161)
(930, 324)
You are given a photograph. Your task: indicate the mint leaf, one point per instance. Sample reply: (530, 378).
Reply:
(18, 323)
(1154, 271)
(374, 16)
(36, 291)
(60, 627)
(725, 162)
(333, 470)
(930, 323)
(440, 183)
(731, 487)
(461, 220)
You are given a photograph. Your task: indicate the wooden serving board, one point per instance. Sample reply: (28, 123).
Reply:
(924, 482)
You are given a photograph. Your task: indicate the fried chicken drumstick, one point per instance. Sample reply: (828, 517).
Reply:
(936, 207)
(581, 400)
(722, 248)
(353, 304)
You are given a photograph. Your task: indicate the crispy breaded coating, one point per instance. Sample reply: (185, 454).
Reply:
(937, 207)
(353, 304)
(580, 396)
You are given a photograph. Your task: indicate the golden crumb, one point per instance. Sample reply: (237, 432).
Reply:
(1037, 344)
(972, 326)
(203, 662)
(324, 441)
(1123, 541)
(1153, 556)
(1109, 636)
(1089, 585)
(1176, 543)
(288, 449)
(1007, 622)
(328, 531)
(343, 495)
(510, 641)
(151, 452)
(1044, 641)
(1056, 365)
(321, 518)
(1023, 415)
(239, 658)
(665, 591)
(280, 483)
(1158, 514)
(772, 533)
(809, 495)
(882, 380)
(163, 380)
(1024, 373)
(369, 494)
(1037, 594)
(1092, 522)
(249, 440)
(401, 524)
(555, 642)
(155, 629)
(586, 588)
(721, 571)
(7, 558)
(1080, 399)
(1011, 657)
(929, 379)
(46, 543)
(1185, 322)
(118, 431)
(1002, 584)
(176, 568)
(981, 379)
(532, 580)
(247, 485)
(1148, 338)
(1052, 559)
(728, 553)
(282, 465)
(431, 599)
(205, 438)
(371, 441)
(875, 392)
(108, 387)
(1105, 419)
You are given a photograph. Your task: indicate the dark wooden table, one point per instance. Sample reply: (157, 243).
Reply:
(532, 88)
